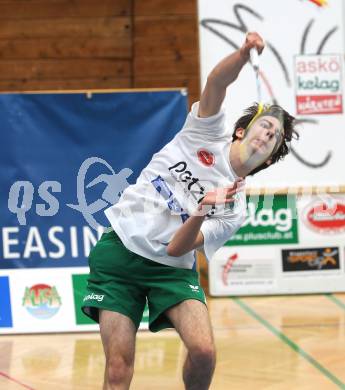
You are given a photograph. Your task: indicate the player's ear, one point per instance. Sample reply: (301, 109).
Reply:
(268, 162)
(240, 131)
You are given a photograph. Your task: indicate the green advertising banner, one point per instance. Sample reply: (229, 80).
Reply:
(271, 219)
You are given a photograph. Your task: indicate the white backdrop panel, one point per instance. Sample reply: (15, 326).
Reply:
(290, 28)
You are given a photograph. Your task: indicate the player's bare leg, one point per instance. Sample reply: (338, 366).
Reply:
(118, 337)
(191, 320)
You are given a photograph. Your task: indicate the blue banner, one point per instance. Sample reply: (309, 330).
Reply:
(5, 306)
(65, 158)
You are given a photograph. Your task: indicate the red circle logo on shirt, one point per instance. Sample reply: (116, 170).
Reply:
(206, 157)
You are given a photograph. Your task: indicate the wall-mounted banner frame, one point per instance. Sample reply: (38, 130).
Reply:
(66, 157)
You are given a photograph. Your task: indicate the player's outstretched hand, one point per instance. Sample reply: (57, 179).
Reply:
(253, 39)
(222, 195)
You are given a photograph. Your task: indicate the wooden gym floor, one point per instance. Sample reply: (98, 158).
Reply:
(282, 342)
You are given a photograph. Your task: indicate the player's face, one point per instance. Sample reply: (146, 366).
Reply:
(261, 139)
(264, 134)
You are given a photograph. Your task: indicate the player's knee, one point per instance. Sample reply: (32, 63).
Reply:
(118, 370)
(203, 356)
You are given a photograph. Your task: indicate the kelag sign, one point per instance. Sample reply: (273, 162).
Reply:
(270, 220)
(319, 84)
(67, 157)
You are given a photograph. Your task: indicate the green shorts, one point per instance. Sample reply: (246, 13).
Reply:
(123, 281)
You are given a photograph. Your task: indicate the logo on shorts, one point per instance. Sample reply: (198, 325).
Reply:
(93, 296)
(206, 157)
(194, 288)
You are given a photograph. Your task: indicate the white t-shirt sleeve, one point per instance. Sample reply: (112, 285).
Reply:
(217, 231)
(211, 127)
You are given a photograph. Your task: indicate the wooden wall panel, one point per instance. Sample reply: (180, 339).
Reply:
(71, 69)
(65, 84)
(41, 9)
(65, 44)
(166, 50)
(72, 47)
(98, 44)
(115, 27)
(165, 7)
(175, 62)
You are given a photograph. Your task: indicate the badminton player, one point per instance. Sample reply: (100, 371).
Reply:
(189, 197)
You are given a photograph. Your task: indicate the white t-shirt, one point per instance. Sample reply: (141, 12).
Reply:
(167, 192)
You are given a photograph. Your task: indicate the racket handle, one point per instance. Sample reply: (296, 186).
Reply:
(254, 58)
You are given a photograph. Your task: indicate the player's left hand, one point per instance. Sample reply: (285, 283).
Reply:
(222, 195)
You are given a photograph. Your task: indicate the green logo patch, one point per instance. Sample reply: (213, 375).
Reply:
(270, 220)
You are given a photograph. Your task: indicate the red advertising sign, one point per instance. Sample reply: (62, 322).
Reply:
(325, 218)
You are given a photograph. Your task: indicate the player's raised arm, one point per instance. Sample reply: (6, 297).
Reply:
(226, 73)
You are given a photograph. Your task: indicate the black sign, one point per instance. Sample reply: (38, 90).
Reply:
(310, 259)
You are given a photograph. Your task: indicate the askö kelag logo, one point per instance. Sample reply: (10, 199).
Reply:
(42, 301)
(270, 220)
(325, 218)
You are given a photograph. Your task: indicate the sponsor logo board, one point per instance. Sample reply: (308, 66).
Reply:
(243, 270)
(269, 220)
(310, 259)
(42, 301)
(318, 84)
(325, 217)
